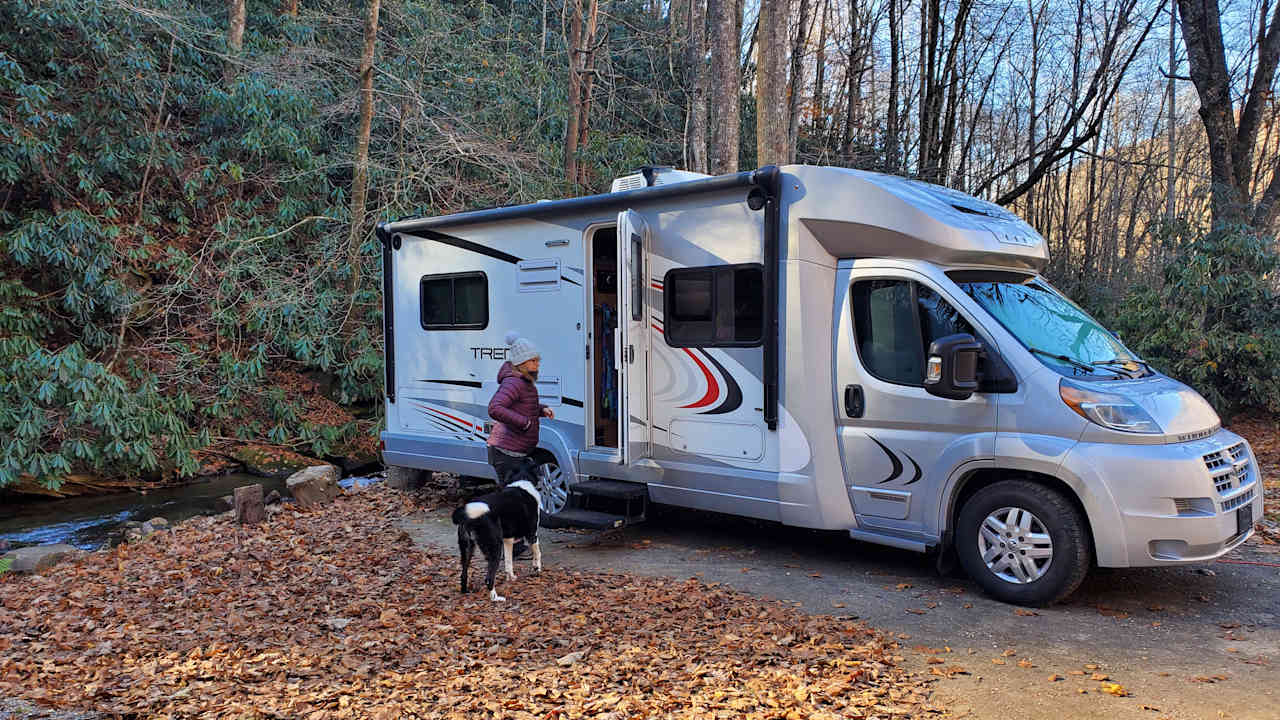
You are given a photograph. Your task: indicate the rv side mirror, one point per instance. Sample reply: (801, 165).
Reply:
(951, 369)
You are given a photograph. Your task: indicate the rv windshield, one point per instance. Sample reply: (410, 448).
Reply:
(1057, 331)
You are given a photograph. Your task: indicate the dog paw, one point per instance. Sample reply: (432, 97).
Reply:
(511, 576)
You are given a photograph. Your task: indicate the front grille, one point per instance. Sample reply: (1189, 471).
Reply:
(1238, 501)
(1231, 471)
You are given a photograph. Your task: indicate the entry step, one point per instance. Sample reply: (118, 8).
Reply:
(577, 517)
(616, 489)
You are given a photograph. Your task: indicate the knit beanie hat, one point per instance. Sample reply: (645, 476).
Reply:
(521, 349)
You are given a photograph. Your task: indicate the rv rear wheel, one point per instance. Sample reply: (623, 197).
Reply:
(553, 484)
(1023, 542)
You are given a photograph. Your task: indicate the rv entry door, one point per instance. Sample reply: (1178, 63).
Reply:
(633, 337)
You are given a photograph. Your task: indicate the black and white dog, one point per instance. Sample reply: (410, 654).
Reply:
(498, 520)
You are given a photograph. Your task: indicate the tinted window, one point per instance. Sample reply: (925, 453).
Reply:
(938, 318)
(888, 331)
(454, 302)
(712, 306)
(470, 300)
(637, 278)
(437, 302)
(691, 293)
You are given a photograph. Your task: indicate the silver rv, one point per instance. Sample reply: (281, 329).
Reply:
(821, 347)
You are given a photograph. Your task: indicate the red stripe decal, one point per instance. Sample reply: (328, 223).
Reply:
(655, 327)
(713, 389)
(458, 419)
(656, 286)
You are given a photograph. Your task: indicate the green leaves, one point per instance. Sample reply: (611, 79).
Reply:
(1215, 321)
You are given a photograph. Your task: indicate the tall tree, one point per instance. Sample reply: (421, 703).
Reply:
(795, 83)
(725, 83)
(583, 44)
(1232, 143)
(696, 62)
(360, 177)
(892, 139)
(771, 84)
(235, 32)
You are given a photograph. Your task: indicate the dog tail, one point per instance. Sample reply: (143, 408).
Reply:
(470, 511)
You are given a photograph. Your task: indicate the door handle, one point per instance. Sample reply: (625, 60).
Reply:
(631, 354)
(854, 403)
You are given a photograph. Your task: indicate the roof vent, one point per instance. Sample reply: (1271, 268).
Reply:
(629, 182)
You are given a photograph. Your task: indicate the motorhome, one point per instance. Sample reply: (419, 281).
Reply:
(816, 346)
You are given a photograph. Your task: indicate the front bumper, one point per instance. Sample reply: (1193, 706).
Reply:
(1176, 503)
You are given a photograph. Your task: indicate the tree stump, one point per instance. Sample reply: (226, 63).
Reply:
(250, 509)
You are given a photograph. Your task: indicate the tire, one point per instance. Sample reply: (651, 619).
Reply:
(1046, 550)
(552, 484)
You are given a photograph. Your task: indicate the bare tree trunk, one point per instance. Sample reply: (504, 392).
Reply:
(820, 73)
(697, 61)
(572, 44)
(891, 135)
(771, 84)
(725, 82)
(1170, 201)
(588, 83)
(360, 178)
(235, 35)
(292, 9)
(796, 82)
(1231, 144)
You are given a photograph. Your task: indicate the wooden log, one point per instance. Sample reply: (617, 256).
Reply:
(250, 509)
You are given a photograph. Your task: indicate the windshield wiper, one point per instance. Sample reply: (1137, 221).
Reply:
(1124, 363)
(1077, 364)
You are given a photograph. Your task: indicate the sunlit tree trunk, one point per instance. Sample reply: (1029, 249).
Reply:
(697, 63)
(360, 177)
(771, 84)
(725, 83)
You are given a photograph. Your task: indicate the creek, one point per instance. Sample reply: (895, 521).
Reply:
(93, 522)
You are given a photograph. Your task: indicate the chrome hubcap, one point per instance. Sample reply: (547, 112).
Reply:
(553, 487)
(1015, 545)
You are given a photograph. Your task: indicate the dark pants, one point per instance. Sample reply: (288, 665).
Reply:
(507, 467)
(510, 469)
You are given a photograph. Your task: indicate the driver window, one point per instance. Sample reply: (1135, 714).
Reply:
(894, 323)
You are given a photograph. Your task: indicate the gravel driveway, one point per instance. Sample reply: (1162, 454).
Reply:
(1187, 642)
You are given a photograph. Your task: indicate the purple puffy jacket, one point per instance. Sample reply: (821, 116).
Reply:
(515, 410)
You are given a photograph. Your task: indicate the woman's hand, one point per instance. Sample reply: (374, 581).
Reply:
(548, 413)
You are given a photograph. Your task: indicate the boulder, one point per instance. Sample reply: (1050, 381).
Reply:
(228, 502)
(272, 462)
(39, 558)
(273, 497)
(159, 523)
(315, 485)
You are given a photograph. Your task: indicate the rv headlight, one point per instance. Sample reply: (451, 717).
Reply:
(1109, 410)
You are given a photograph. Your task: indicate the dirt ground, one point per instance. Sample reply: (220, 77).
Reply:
(1185, 642)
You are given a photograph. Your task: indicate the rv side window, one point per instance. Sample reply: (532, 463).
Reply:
(459, 301)
(895, 321)
(710, 306)
(638, 284)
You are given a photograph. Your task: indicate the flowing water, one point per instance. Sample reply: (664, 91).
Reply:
(93, 522)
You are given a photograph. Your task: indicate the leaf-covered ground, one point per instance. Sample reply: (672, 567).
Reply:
(334, 613)
(1263, 433)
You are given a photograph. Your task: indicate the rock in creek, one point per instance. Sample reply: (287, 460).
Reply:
(313, 486)
(39, 558)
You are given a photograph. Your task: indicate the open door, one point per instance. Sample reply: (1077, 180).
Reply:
(632, 349)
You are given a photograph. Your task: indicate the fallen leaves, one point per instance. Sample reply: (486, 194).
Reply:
(333, 613)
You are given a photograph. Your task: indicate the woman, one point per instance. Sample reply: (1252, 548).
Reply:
(515, 409)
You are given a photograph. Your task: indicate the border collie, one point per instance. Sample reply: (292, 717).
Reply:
(497, 520)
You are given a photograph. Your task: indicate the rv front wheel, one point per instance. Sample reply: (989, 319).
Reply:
(1023, 542)
(553, 484)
